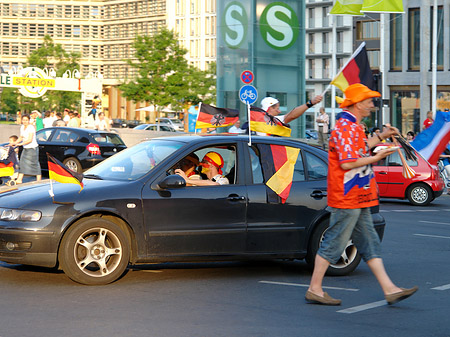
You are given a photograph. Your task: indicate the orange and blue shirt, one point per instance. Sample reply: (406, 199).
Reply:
(354, 188)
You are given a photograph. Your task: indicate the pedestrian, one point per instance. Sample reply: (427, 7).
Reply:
(322, 123)
(427, 122)
(36, 120)
(352, 191)
(271, 106)
(236, 128)
(48, 120)
(29, 159)
(102, 122)
(58, 121)
(410, 135)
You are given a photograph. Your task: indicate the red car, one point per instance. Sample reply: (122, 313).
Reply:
(424, 187)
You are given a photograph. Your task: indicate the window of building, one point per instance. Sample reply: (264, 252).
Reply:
(311, 43)
(396, 31)
(311, 66)
(325, 43)
(76, 31)
(50, 10)
(405, 109)
(311, 18)
(339, 42)
(41, 30)
(367, 30)
(325, 17)
(76, 12)
(414, 38)
(440, 38)
(326, 68)
(374, 58)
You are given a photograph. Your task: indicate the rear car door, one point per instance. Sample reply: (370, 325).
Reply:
(276, 227)
(199, 220)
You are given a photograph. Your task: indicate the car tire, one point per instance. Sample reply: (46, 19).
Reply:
(73, 164)
(348, 261)
(419, 194)
(94, 251)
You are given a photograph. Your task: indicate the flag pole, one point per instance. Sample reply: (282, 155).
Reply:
(249, 129)
(51, 189)
(199, 108)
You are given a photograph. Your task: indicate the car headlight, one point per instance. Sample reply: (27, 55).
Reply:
(19, 215)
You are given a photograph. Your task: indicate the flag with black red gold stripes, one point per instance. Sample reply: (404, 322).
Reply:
(212, 117)
(60, 173)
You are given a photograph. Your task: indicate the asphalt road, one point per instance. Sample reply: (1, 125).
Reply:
(246, 299)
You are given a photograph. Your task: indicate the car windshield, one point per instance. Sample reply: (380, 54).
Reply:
(135, 162)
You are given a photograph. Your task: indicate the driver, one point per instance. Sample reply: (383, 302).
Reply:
(211, 164)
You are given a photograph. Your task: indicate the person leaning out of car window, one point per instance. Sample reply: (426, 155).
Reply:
(211, 164)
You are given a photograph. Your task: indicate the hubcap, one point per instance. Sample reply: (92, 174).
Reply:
(98, 252)
(419, 194)
(347, 256)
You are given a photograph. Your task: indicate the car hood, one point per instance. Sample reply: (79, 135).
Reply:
(36, 194)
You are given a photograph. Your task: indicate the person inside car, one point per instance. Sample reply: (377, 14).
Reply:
(188, 166)
(212, 164)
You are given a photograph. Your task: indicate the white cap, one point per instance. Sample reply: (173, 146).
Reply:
(267, 102)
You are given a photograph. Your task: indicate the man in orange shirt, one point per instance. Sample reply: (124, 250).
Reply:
(352, 190)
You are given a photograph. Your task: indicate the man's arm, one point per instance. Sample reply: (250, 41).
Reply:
(388, 131)
(300, 110)
(367, 160)
(195, 182)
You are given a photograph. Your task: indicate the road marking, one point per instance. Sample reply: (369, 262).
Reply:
(433, 236)
(435, 222)
(363, 307)
(150, 271)
(305, 285)
(444, 287)
(411, 210)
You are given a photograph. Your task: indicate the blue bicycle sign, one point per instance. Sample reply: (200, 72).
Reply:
(248, 94)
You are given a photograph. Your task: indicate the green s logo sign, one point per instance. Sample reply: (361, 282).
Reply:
(235, 24)
(279, 25)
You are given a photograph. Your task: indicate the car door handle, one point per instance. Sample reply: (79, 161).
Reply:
(382, 172)
(318, 194)
(235, 197)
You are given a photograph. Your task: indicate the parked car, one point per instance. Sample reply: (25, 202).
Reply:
(133, 209)
(155, 127)
(132, 123)
(77, 148)
(176, 123)
(311, 134)
(118, 123)
(426, 185)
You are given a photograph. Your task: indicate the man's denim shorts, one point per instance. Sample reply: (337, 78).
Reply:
(346, 224)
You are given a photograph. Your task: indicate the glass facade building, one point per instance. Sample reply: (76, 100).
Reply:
(267, 38)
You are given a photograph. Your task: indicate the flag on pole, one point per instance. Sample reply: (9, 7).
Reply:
(347, 7)
(382, 6)
(261, 121)
(212, 117)
(59, 172)
(431, 142)
(356, 70)
(7, 161)
(278, 166)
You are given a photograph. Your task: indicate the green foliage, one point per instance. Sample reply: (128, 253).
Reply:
(164, 76)
(51, 55)
(9, 102)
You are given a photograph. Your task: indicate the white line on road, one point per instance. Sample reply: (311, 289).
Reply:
(363, 307)
(436, 223)
(305, 285)
(433, 236)
(444, 287)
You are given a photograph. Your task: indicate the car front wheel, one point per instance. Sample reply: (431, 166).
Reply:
(94, 251)
(348, 261)
(419, 194)
(73, 164)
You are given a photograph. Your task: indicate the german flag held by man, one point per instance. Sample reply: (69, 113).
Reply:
(60, 173)
(212, 117)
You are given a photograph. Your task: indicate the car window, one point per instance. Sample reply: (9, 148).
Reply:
(43, 135)
(135, 162)
(299, 169)
(164, 128)
(394, 159)
(108, 138)
(62, 136)
(316, 167)
(256, 166)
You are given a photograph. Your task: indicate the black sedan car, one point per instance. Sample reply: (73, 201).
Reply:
(77, 148)
(133, 209)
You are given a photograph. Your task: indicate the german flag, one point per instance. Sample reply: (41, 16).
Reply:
(212, 117)
(278, 167)
(6, 170)
(356, 70)
(59, 172)
(261, 121)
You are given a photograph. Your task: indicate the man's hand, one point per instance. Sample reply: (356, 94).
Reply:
(384, 153)
(389, 131)
(181, 173)
(317, 99)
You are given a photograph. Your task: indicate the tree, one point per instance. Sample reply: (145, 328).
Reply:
(9, 101)
(51, 55)
(163, 75)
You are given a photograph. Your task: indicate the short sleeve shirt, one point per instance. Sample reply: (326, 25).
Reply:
(354, 188)
(221, 180)
(427, 123)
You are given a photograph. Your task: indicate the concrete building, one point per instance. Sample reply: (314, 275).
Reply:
(102, 32)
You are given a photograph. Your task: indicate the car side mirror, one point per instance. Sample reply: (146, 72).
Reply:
(172, 181)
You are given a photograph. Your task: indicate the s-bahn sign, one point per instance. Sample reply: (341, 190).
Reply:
(34, 82)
